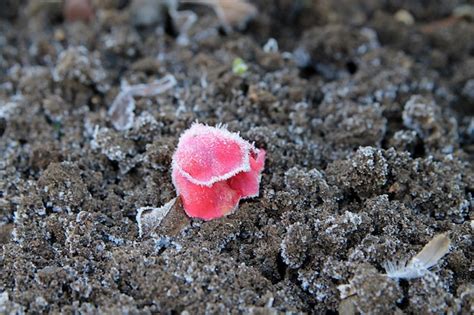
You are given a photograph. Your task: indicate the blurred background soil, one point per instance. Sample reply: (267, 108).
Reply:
(365, 108)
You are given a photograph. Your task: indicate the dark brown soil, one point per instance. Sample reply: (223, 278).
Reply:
(368, 122)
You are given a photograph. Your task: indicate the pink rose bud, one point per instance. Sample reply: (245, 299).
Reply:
(213, 169)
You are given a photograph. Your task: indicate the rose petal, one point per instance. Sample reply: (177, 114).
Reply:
(213, 169)
(206, 154)
(248, 183)
(206, 202)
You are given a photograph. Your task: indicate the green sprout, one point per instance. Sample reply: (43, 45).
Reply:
(239, 67)
(57, 128)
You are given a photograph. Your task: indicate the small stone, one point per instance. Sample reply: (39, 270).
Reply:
(405, 17)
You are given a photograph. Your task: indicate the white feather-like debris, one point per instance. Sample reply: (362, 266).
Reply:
(122, 109)
(149, 217)
(419, 265)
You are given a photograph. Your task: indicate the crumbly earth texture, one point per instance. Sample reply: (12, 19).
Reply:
(366, 115)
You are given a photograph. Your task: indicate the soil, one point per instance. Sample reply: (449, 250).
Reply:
(367, 117)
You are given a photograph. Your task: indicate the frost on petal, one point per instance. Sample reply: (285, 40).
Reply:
(206, 155)
(248, 183)
(206, 202)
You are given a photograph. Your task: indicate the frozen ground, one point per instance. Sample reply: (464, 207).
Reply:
(366, 116)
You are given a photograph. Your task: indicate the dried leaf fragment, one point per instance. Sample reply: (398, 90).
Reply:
(346, 290)
(121, 110)
(233, 14)
(149, 217)
(153, 88)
